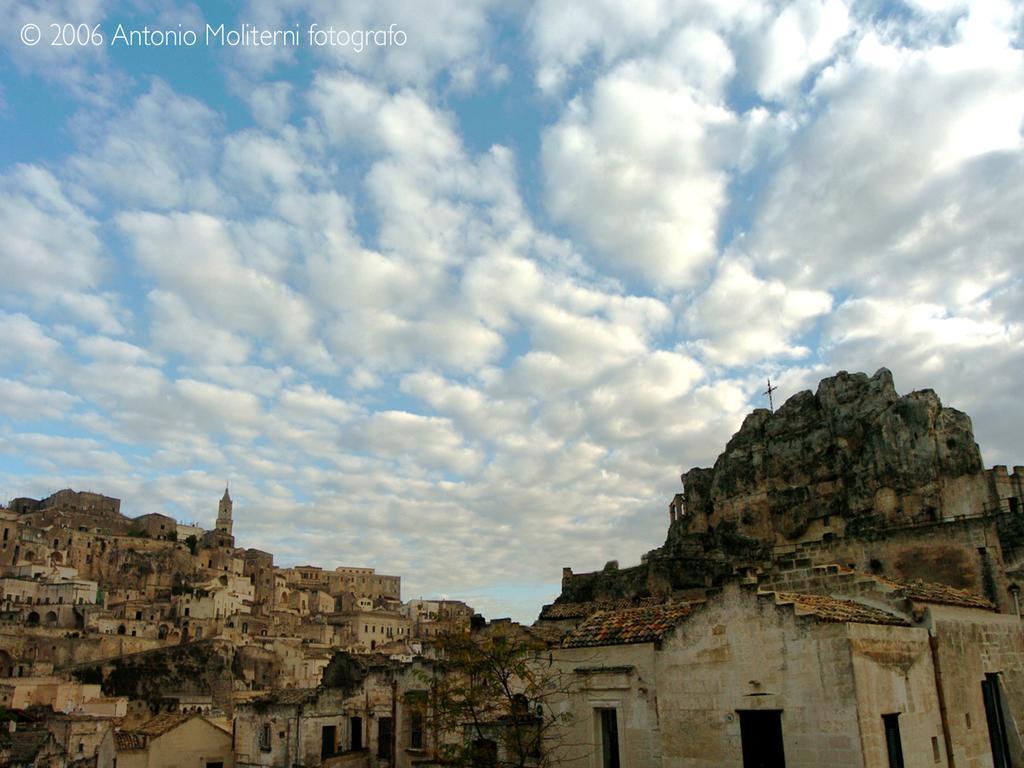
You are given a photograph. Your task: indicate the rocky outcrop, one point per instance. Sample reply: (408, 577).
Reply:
(853, 474)
(854, 453)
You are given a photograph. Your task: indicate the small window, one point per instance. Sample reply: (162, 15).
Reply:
(416, 730)
(265, 737)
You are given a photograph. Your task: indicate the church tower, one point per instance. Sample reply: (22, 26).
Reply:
(224, 513)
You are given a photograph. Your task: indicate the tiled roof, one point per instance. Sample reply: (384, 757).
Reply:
(582, 610)
(632, 625)
(832, 609)
(926, 592)
(162, 723)
(127, 740)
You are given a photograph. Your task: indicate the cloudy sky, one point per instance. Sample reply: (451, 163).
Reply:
(464, 308)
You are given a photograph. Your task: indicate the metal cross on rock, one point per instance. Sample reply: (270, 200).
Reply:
(771, 402)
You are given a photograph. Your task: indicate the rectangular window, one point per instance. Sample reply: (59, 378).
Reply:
(996, 721)
(384, 738)
(416, 730)
(265, 737)
(609, 738)
(761, 737)
(356, 732)
(893, 743)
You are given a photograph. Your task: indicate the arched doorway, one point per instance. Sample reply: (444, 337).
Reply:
(33, 618)
(51, 618)
(121, 630)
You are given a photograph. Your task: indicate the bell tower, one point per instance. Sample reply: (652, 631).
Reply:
(224, 513)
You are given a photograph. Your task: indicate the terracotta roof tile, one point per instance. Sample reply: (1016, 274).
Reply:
(927, 592)
(162, 723)
(127, 740)
(583, 610)
(631, 625)
(832, 609)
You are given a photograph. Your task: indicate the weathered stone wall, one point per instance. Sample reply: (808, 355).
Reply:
(619, 677)
(968, 644)
(831, 681)
(961, 553)
(893, 674)
(743, 653)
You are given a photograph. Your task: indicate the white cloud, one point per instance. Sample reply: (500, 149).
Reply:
(21, 402)
(27, 343)
(158, 152)
(430, 442)
(50, 245)
(885, 191)
(195, 256)
(803, 36)
(740, 318)
(646, 194)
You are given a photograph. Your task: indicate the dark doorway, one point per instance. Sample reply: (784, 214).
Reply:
(893, 743)
(356, 725)
(485, 753)
(328, 740)
(996, 723)
(609, 739)
(215, 765)
(384, 738)
(761, 734)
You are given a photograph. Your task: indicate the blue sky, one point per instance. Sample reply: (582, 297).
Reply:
(464, 308)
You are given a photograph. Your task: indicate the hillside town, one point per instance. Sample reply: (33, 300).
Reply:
(841, 588)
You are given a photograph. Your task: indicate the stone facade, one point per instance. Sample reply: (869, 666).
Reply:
(832, 667)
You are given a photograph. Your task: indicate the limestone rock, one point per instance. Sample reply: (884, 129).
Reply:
(854, 450)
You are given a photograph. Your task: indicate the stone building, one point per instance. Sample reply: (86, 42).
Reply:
(792, 616)
(175, 740)
(365, 582)
(431, 618)
(157, 526)
(853, 671)
(369, 629)
(363, 716)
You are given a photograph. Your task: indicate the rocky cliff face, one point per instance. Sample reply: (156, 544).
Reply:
(853, 453)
